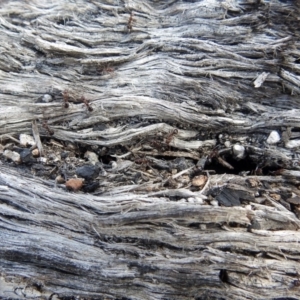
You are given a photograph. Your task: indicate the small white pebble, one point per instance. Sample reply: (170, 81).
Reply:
(47, 98)
(181, 201)
(59, 179)
(260, 79)
(56, 158)
(35, 152)
(214, 203)
(199, 180)
(273, 138)
(4, 188)
(199, 200)
(292, 144)
(92, 157)
(114, 165)
(26, 140)
(248, 207)
(202, 226)
(227, 144)
(238, 151)
(191, 200)
(42, 160)
(12, 155)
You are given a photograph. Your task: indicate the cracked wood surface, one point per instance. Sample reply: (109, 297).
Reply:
(172, 79)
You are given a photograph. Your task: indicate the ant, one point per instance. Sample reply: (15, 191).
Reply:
(45, 125)
(108, 70)
(129, 24)
(142, 161)
(296, 283)
(65, 94)
(105, 70)
(171, 135)
(157, 145)
(86, 103)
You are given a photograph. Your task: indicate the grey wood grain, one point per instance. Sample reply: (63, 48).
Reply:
(221, 74)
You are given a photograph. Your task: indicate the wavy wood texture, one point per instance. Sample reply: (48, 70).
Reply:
(164, 80)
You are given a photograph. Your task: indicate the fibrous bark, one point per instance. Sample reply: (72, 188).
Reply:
(181, 102)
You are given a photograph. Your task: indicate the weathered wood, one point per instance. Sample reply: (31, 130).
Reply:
(161, 92)
(143, 247)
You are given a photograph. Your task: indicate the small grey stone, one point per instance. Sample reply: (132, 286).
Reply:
(201, 162)
(71, 146)
(64, 154)
(87, 172)
(228, 198)
(91, 187)
(255, 224)
(294, 200)
(181, 163)
(26, 156)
